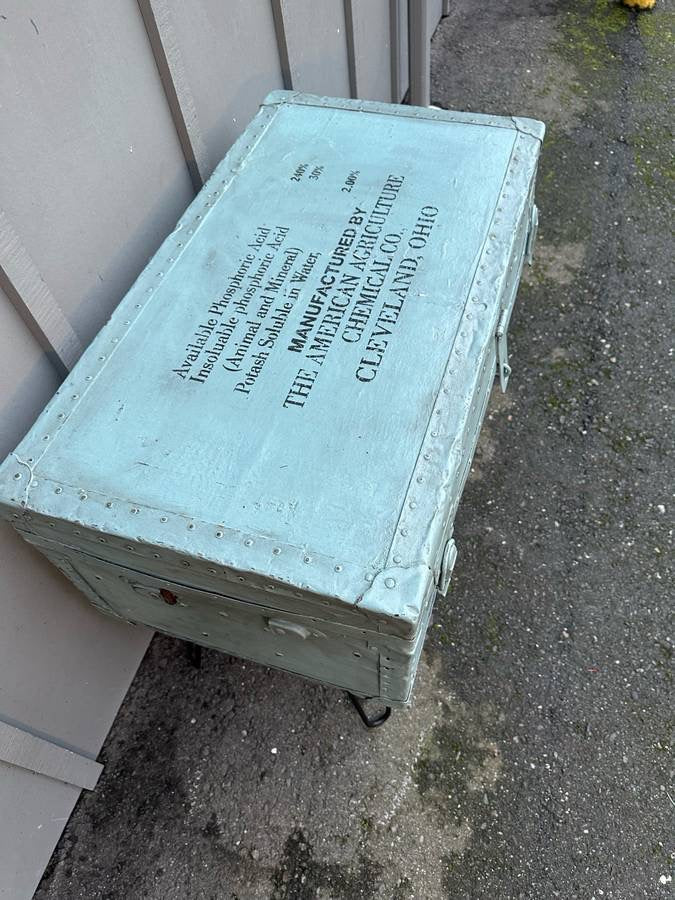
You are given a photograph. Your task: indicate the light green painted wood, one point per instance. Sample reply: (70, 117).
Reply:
(278, 420)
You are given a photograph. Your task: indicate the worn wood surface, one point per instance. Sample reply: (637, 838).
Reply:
(318, 337)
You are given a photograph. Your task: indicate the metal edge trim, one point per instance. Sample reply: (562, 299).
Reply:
(441, 449)
(32, 449)
(229, 165)
(531, 127)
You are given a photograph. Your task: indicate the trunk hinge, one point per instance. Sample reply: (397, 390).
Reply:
(532, 234)
(447, 565)
(503, 367)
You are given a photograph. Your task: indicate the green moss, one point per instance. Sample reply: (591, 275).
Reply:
(665, 744)
(591, 39)
(568, 385)
(565, 191)
(566, 378)
(574, 87)
(493, 631)
(652, 151)
(656, 31)
(403, 890)
(442, 767)
(300, 876)
(444, 631)
(622, 440)
(652, 142)
(660, 852)
(456, 775)
(453, 755)
(443, 639)
(587, 30)
(665, 663)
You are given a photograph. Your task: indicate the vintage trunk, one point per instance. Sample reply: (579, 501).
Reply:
(264, 448)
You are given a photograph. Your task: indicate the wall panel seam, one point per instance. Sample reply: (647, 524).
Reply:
(282, 43)
(22, 282)
(419, 53)
(168, 58)
(350, 27)
(395, 49)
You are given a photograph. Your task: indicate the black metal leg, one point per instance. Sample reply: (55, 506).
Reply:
(195, 655)
(370, 721)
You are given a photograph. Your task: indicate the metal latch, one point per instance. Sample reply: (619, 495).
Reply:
(503, 350)
(532, 234)
(283, 628)
(447, 565)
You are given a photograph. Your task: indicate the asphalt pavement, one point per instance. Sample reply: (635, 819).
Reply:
(537, 759)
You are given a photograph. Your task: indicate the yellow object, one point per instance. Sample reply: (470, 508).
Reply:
(640, 4)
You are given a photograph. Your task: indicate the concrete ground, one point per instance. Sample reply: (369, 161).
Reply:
(537, 759)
